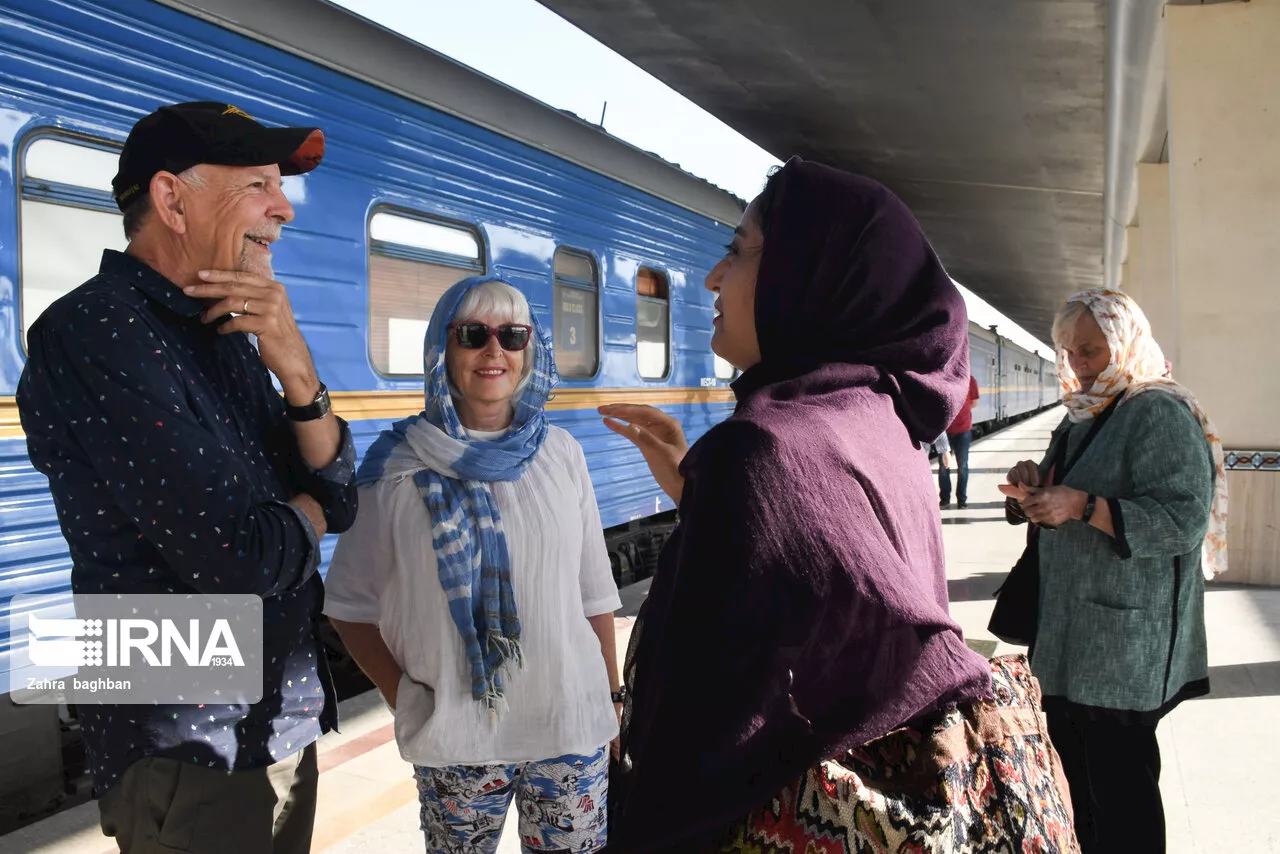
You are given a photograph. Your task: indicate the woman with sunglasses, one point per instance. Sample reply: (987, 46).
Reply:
(475, 589)
(1131, 505)
(797, 683)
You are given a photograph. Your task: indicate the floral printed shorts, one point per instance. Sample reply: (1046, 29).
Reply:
(561, 803)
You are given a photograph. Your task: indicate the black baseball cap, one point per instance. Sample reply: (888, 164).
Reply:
(177, 137)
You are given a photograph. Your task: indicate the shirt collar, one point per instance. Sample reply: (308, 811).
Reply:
(151, 283)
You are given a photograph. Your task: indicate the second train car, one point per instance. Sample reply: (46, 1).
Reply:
(1012, 382)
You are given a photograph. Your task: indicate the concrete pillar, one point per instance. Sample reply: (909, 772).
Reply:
(1157, 298)
(1224, 121)
(1133, 283)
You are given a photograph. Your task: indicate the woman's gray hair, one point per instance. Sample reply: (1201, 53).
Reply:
(502, 303)
(1065, 320)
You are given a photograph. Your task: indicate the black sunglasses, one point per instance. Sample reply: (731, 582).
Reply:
(474, 336)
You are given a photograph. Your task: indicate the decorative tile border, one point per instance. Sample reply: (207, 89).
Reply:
(1252, 460)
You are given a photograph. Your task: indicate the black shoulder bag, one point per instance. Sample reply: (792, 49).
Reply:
(1017, 612)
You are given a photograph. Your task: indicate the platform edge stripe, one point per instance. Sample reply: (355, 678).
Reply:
(332, 757)
(331, 829)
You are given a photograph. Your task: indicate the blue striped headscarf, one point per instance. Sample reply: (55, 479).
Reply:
(452, 472)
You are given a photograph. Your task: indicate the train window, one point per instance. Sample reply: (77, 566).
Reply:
(576, 315)
(67, 218)
(408, 233)
(50, 160)
(412, 262)
(653, 327)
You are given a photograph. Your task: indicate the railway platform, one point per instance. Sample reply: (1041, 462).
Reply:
(1221, 753)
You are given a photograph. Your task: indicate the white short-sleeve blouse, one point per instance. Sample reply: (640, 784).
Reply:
(384, 572)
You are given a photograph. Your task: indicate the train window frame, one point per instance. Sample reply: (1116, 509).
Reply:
(664, 278)
(403, 252)
(593, 287)
(46, 191)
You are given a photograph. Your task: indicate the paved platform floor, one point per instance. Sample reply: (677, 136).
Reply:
(1221, 777)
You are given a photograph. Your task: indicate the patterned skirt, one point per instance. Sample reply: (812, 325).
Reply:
(982, 777)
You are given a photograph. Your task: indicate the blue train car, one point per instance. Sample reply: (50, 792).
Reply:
(984, 365)
(1012, 382)
(432, 173)
(1023, 389)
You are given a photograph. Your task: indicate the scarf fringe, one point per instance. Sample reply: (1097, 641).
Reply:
(493, 703)
(509, 649)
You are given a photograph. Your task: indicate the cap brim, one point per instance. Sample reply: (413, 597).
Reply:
(295, 150)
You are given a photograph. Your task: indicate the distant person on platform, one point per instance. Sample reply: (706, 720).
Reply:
(176, 467)
(942, 448)
(960, 436)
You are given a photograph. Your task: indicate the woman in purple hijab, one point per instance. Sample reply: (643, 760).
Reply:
(795, 677)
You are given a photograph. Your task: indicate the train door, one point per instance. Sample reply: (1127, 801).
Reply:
(993, 383)
(1000, 381)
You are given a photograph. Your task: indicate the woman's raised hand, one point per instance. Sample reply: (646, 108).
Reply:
(1024, 480)
(658, 436)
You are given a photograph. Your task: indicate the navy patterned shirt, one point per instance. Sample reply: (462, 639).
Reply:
(171, 462)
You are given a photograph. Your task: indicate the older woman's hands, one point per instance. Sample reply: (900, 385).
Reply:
(1052, 507)
(1024, 479)
(658, 436)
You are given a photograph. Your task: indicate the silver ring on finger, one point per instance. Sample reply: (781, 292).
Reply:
(245, 307)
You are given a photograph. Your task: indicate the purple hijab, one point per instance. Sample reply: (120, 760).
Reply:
(800, 608)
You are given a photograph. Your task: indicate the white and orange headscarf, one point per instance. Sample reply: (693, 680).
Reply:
(1137, 366)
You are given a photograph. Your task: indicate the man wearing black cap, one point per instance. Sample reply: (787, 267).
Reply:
(176, 467)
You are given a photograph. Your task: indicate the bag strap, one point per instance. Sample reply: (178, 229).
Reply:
(1060, 464)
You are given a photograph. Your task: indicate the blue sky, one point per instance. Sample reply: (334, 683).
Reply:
(526, 46)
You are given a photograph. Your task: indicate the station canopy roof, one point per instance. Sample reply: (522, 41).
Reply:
(986, 117)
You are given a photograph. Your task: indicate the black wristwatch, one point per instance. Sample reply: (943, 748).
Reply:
(1090, 504)
(318, 408)
(619, 696)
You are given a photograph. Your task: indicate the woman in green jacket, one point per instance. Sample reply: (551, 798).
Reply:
(1127, 533)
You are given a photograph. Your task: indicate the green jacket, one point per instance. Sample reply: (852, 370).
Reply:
(1122, 619)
